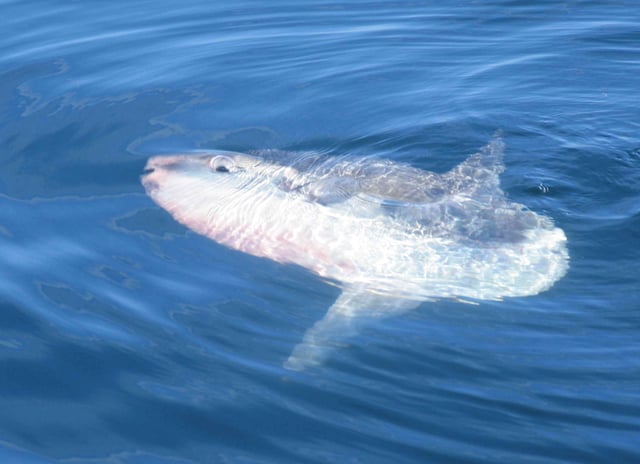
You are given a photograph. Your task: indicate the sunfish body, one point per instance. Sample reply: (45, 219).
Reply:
(389, 234)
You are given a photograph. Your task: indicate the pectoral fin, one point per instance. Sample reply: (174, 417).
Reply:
(350, 311)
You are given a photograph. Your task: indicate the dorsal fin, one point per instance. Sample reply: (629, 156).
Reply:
(480, 172)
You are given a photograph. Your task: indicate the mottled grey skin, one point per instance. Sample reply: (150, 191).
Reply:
(393, 181)
(465, 203)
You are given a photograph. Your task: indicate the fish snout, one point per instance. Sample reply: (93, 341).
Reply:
(160, 168)
(156, 170)
(149, 177)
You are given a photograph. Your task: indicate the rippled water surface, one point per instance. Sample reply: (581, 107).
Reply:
(126, 338)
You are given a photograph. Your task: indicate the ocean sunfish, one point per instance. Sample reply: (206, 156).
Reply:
(389, 234)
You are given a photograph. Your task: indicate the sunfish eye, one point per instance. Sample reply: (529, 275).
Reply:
(221, 163)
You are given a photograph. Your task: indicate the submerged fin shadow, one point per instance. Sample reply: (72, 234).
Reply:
(343, 320)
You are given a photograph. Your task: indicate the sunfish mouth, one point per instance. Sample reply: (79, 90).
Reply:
(157, 168)
(155, 171)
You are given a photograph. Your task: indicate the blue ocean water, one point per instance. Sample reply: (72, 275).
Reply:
(126, 338)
